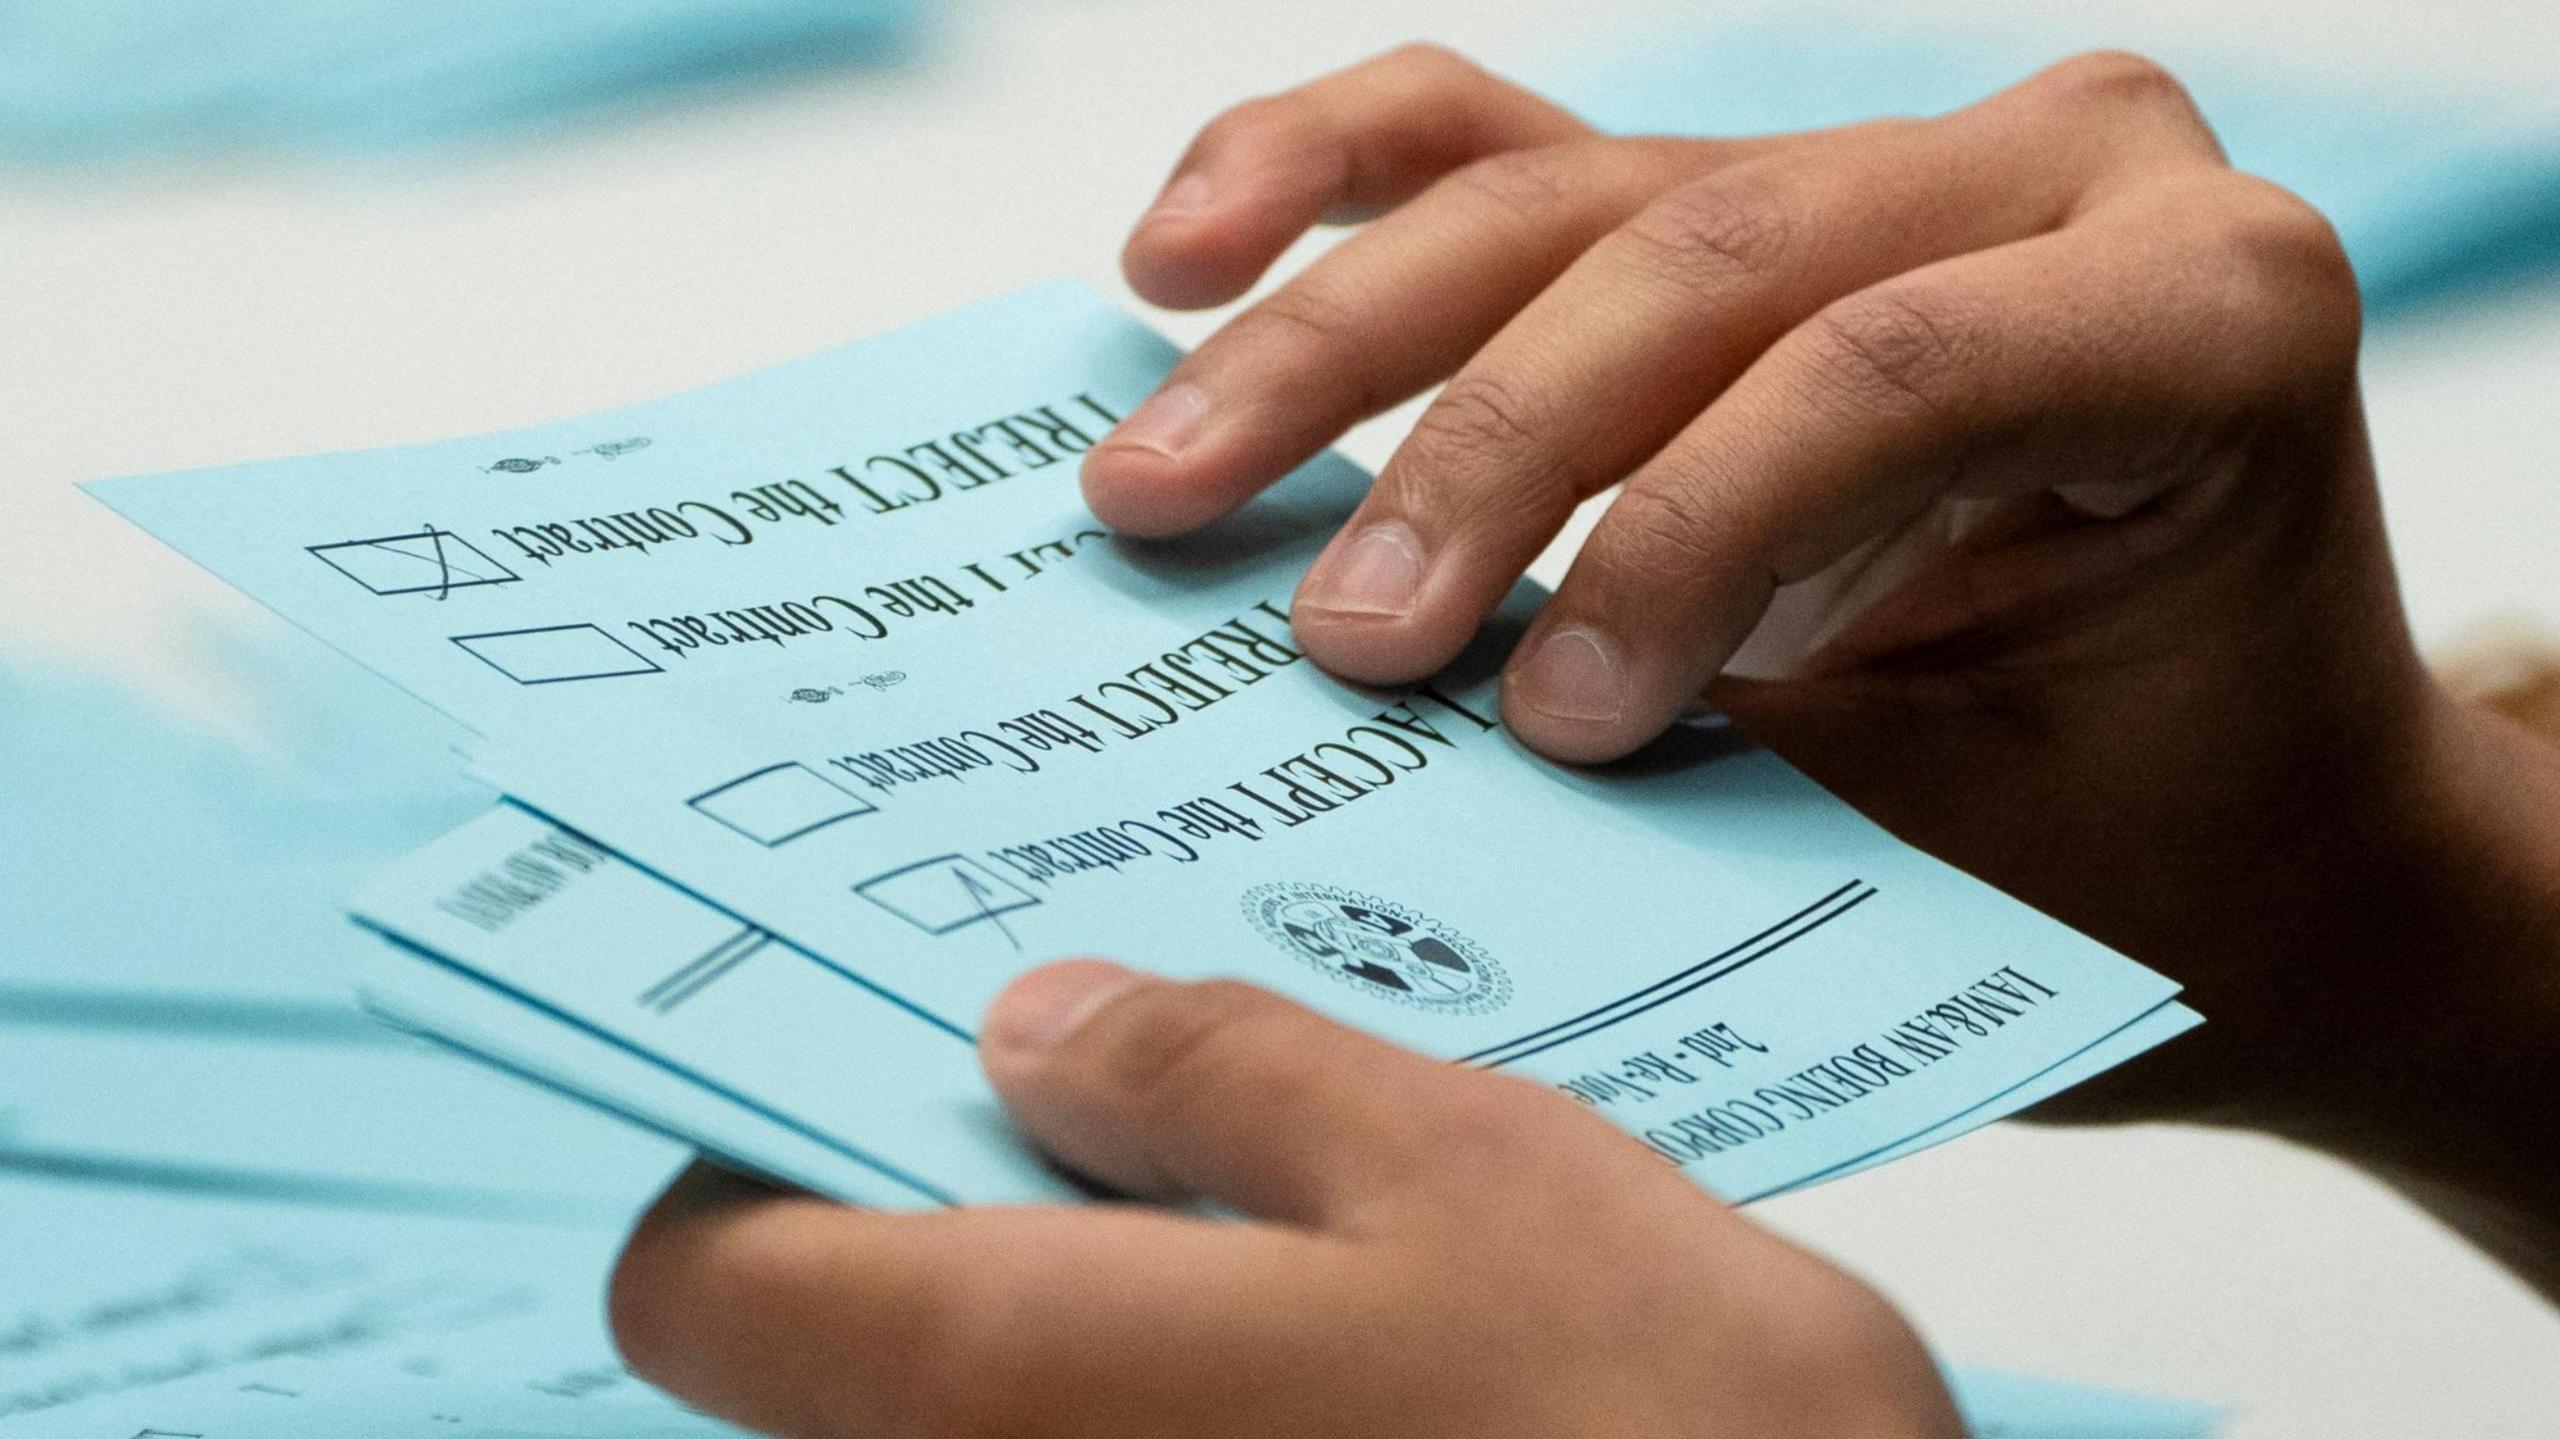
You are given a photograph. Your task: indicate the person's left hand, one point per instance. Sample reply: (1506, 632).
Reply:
(1424, 1250)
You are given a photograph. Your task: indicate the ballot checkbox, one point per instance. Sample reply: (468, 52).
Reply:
(946, 893)
(556, 654)
(780, 803)
(423, 562)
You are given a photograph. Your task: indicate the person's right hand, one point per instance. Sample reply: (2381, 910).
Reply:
(2091, 394)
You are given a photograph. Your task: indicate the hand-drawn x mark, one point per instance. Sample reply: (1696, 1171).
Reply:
(979, 894)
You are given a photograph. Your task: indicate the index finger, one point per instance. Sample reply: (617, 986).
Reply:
(1380, 318)
(1351, 143)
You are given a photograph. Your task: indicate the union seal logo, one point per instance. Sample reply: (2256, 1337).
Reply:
(1380, 947)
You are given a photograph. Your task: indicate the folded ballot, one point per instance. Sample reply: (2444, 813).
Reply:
(823, 709)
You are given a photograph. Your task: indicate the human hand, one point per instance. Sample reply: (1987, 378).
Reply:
(2031, 432)
(1424, 1250)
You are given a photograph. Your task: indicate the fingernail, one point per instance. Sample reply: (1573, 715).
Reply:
(1188, 195)
(1037, 1012)
(1168, 420)
(1573, 675)
(1377, 573)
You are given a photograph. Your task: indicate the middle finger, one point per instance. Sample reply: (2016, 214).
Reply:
(1638, 334)
(1383, 316)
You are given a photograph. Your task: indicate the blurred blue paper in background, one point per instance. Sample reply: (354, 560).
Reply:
(2434, 196)
(158, 872)
(2001, 1405)
(89, 80)
(113, 1290)
(177, 1008)
(394, 1124)
(122, 1295)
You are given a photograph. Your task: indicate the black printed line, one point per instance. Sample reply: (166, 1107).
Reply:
(1701, 982)
(979, 894)
(823, 1138)
(748, 935)
(748, 777)
(1671, 979)
(850, 976)
(712, 975)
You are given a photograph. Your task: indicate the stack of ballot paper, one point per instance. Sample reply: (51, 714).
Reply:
(822, 708)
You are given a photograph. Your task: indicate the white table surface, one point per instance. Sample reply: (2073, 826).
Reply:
(159, 321)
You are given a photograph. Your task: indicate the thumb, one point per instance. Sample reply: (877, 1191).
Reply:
(1221, 1091)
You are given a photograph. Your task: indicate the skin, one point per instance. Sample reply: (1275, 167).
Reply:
(1426, 1250)
(2161, 688)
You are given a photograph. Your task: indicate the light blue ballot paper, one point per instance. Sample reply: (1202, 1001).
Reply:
(1709, 951)
(615, 1076)
(671, 1066)
(2000, 1405)
(126, 1312)
(767, 538)
(311, 1400)
(319, 1399)
(2160, 1025)
(815, 1106)
(83, 83)
(159, 875)
(396, 1123)
(110, 1291)
(837, 649)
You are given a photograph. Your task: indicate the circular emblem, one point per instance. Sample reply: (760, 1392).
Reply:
(1379, 946)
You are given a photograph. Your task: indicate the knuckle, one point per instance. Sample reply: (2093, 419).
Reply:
(1519, 1105)
(1479, 418)
(1885, 129)
(1486, 1120)
(1522, 182)
(1264, 120)
(2286, 234)
(1429, 63)
(2294, 269)
(1304, 340)
(1892, 349)
(1729, 226)
(2119, 79)
(1297, 318)
(1678, 528)
(1481, 1129)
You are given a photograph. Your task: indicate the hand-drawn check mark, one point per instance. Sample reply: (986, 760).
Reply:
(427, 561)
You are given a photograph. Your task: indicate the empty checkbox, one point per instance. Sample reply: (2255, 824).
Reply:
(780, 803)
(555, 654)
